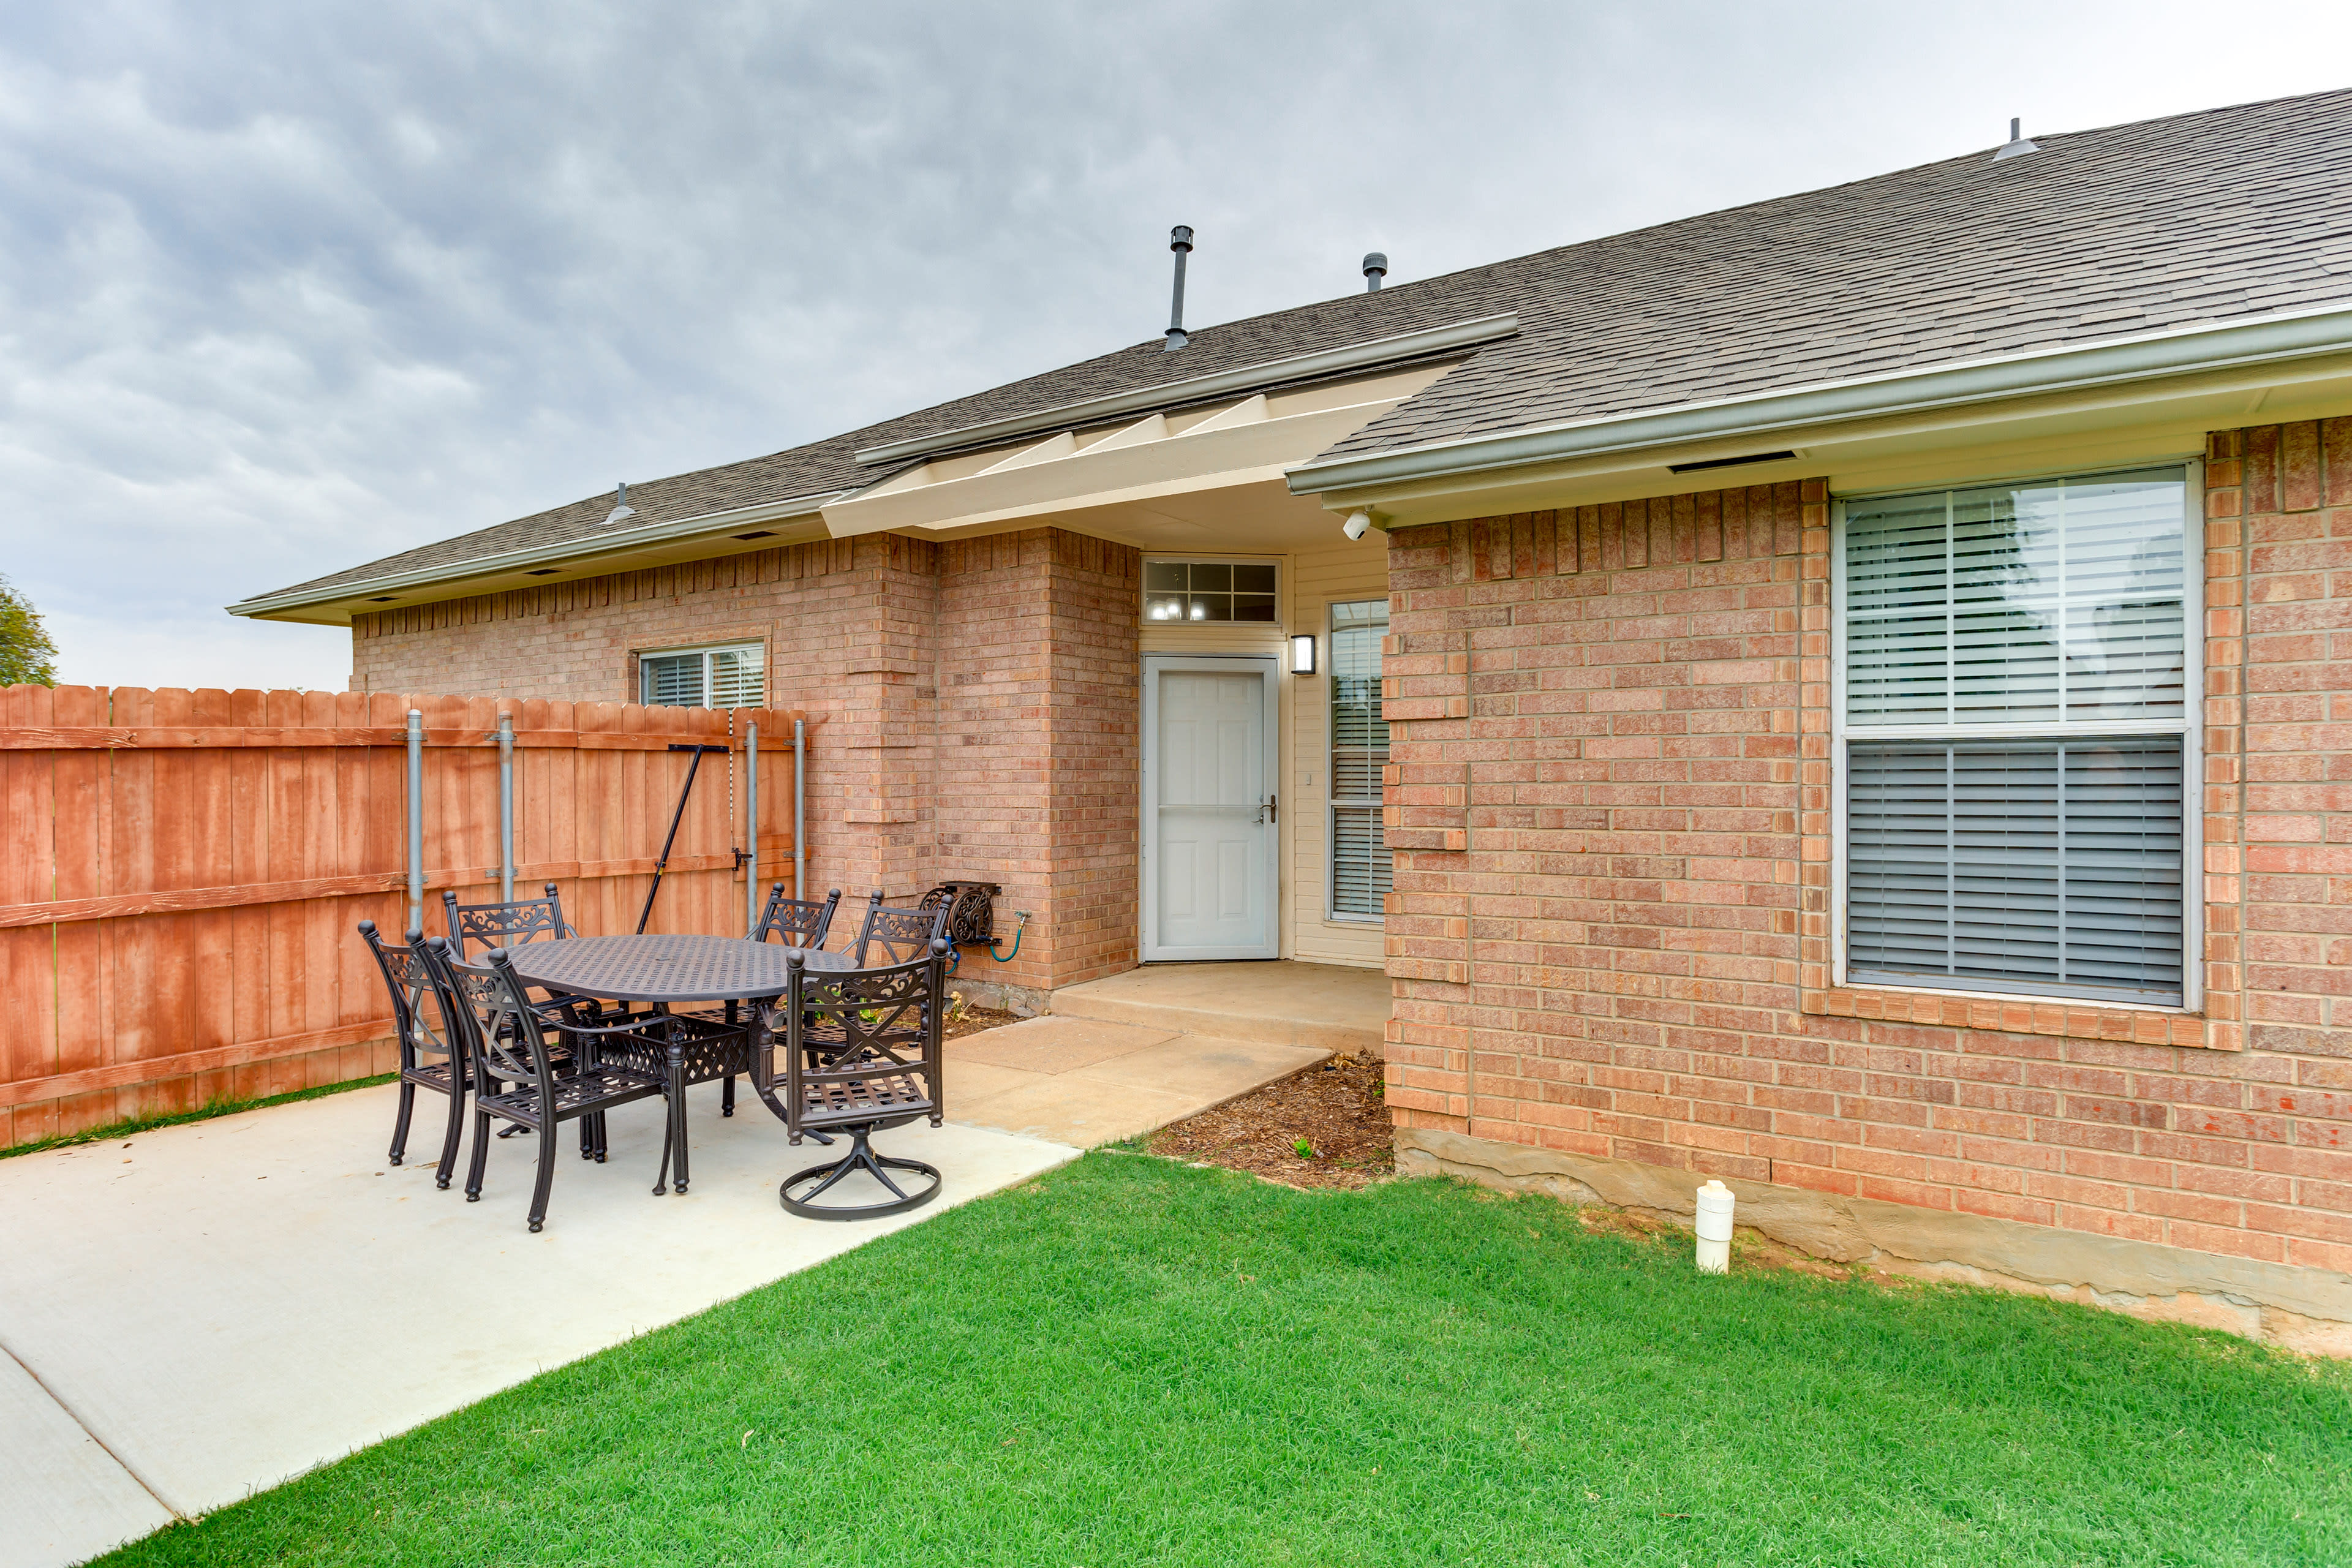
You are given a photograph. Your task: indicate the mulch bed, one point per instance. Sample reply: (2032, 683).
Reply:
(1335, 1109)
(973, 1020)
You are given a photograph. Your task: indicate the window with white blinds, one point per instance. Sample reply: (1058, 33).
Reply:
(1361, 864)
(729, 676)
(2013, 721)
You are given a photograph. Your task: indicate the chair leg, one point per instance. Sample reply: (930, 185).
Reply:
(727, 1097)
(539, 1188)
(449, 1139)
(669, 1135)
(400, 1120)
(678, 1115)
(482, 1156)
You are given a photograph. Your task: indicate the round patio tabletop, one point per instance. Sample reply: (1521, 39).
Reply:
(680, 968)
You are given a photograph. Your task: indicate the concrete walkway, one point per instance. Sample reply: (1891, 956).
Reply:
(1331, 1008)
(201, 1312)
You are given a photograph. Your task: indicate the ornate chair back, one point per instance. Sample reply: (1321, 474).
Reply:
(859, 1046)
(797, 923)
(505, 1037)
(503, 925)
(890, 937)
(410, 981)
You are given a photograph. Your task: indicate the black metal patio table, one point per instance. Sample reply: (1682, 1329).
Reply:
(665, 972)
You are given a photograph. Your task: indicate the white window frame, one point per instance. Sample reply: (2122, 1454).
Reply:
(735, 644)
(1330, 776)
(2188, 727)
(1143, 594)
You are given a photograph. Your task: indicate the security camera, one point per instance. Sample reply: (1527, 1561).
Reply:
(1359, 523)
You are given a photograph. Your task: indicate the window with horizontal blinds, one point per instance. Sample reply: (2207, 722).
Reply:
(1361, 867)
(2052, 865)
(2058, 602)
(731, 677)
(2048, 861)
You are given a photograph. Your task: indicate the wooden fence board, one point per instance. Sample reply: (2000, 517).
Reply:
(180, 870)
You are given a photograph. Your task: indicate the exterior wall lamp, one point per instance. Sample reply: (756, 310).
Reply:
(1302, 653)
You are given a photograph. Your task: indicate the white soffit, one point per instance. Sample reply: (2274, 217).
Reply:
(1250, 440)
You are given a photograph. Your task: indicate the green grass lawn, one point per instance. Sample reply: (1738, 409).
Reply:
(1133, 1361)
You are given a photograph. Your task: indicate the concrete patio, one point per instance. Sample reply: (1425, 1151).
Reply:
(197, 1312)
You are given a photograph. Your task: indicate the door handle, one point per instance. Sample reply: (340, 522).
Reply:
(1266, 811)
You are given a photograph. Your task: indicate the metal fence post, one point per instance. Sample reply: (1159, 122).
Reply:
(506, 808)
(415, 820)
(752, 830)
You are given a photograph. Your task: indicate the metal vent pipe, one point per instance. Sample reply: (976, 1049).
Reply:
(1180, 240)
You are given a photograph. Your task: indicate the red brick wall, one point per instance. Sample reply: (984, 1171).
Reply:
(977, 707)
(1096, 773)
(1610, 787)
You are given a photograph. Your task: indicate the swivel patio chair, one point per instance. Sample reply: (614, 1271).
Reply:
(860, 1052)
(430, 1057)
(515, 1064)
(887, 937)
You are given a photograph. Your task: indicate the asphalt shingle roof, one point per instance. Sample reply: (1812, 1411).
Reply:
(2194, 219)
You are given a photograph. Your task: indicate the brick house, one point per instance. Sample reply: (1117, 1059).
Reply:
(1867, 694)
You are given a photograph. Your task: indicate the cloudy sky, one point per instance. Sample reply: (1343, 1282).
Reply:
(288, 287)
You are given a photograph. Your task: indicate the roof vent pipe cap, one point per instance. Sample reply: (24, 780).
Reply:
(2018, 146)
(622, 511)
(1376, 267)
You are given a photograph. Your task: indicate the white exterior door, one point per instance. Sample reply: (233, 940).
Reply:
(1210, 836)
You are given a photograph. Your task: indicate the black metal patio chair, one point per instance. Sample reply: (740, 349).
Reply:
(797, 923)
(901, 936)
(520, 921)
(503, 924)
(858, 1051)
(515, 1064)
(432, 1053)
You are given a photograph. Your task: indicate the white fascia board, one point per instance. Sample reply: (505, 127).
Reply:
(1166, 394)
(599, 544)
(2175, 352)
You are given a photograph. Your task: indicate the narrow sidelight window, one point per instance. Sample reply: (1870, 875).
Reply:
(1360, 863)
(2015, 712)
(729, 676)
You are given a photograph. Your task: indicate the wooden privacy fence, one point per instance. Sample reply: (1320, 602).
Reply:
(181, 871)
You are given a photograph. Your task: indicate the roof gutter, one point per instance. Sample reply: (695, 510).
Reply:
(2175, 352)
(1248, 378)
(537, 555)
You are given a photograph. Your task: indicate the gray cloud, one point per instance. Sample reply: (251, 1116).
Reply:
(288, 288)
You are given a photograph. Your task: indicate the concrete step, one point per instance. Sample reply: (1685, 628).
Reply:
(1325, 1007)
